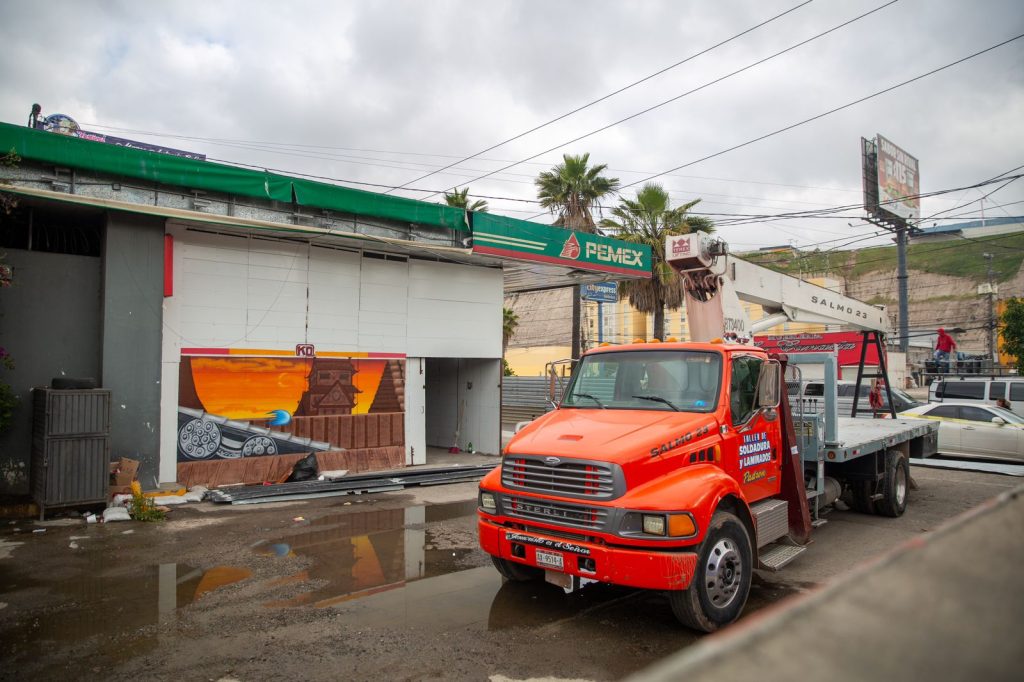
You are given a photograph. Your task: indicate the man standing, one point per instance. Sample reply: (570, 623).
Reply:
(944, 347)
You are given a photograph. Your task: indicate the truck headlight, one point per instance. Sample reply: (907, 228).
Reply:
(487, 501)
(654, 524)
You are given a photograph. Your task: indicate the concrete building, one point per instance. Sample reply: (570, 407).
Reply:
(243, 318)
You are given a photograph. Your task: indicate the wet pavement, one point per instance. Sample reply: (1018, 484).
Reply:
(390, 586)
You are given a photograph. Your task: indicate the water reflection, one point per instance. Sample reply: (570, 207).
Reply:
(94, 605)
(359, 554)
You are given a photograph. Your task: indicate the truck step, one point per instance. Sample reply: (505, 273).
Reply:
(772, 519)
(776, 556)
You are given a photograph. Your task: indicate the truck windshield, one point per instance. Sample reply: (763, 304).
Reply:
(668, 380)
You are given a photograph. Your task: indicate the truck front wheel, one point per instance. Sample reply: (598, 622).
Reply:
(511, 570)
(721, 583)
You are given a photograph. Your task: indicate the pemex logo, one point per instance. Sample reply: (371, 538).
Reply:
(571, 248)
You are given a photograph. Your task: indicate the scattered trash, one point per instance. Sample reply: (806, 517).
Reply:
(121, 500)
(297, 519)
(168, 500)
(111, 514)
(122, 473)
(127, 532)
(39, 530)
(90, 518)
(332, 475)
(305, 469)
(196, 494)
(73, 545)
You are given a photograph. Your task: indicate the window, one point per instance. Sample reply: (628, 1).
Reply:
(959, 390)
(743, 387)
(997, 389)
(1017, 390)
(948, 411)
(814, 390)
(647, 380)
(975, 414)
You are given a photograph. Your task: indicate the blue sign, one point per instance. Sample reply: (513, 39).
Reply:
(603, 292)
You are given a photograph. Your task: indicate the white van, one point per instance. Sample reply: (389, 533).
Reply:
(979, 389)
(814, 390)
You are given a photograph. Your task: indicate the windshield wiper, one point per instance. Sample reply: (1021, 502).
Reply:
(587, 395)
(657, 399)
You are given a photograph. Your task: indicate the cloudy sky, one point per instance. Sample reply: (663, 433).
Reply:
(385, 92)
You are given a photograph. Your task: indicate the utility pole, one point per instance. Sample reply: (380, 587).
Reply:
(991, 311)
(901, 278)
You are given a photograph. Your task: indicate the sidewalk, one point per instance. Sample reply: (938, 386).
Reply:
(944, 606)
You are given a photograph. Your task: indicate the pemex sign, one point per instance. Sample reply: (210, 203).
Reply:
(523, 240)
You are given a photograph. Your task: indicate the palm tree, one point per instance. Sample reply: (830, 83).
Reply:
(571, 189)
(649, 220)
(460, 199)
(508, 327)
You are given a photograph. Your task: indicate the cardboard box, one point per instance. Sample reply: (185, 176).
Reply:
(122, 473)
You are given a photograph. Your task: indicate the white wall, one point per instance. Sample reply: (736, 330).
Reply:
(251, 292)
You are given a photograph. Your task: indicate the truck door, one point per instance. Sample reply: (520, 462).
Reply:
(750, 447)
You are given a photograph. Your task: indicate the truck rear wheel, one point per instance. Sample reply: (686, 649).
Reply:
(511, 570)
(721, 583)
(895, 485)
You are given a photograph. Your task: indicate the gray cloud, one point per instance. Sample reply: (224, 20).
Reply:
(449, 78)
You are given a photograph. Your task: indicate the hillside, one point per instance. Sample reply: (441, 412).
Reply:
(943, 278)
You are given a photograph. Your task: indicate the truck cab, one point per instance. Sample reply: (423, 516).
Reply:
(645, 475)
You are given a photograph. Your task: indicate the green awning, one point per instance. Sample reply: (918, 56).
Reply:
(73, 152)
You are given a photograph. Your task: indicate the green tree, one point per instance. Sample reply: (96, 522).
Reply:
(508, 327)
(1013, 331)
(571, 189)
(649, 219)
(459, 198)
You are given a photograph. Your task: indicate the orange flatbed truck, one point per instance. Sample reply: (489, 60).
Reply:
(678, 467)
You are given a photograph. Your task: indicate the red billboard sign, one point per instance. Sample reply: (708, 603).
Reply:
(848, 345)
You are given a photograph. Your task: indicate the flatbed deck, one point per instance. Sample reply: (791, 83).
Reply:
(859, 436)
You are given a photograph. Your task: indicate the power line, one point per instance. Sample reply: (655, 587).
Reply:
(609, 95)
(685, 94)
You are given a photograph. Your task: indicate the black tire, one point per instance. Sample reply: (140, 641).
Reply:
(721, 583)
(72, 383)
(861, 494)
(895, 485)
(511, 570)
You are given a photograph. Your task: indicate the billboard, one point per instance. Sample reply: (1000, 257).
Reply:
(899, 184)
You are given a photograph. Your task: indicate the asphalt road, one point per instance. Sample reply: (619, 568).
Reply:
(388, 586)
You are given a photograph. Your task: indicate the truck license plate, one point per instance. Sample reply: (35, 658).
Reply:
(549, 559)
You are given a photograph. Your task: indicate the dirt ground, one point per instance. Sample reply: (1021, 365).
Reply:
(387, 586)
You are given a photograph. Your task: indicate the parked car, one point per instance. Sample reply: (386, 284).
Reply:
(814, 398)
(969, 429)
(979, 389)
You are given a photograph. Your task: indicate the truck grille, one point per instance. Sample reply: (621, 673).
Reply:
(576, 515)
(568, 478)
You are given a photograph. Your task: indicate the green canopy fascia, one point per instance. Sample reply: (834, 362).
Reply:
(73, 152)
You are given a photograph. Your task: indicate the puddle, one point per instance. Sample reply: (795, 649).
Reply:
(358, 554)
(109, 607)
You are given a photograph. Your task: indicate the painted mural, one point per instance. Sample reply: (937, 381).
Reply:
(246, 403)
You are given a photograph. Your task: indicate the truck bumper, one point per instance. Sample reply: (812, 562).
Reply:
(643, 568)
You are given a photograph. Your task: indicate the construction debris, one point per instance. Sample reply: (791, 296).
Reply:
(350, 485)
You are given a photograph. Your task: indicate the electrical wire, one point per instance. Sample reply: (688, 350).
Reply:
(682, 95)
(607, 96)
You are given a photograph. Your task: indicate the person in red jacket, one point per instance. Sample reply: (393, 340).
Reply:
(944, 347)
(875, 399)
